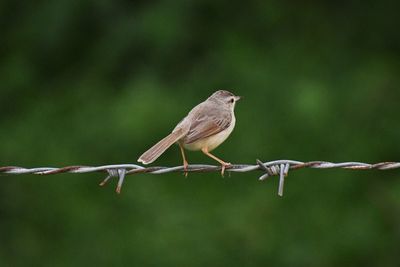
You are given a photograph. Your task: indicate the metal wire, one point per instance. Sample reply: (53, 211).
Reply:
(270, 168)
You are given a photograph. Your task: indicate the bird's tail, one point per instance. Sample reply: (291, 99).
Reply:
(155, 151)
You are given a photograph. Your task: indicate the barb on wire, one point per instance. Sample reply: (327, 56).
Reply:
(270, 168)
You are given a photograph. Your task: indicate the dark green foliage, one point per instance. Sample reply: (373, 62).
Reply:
(98, 82)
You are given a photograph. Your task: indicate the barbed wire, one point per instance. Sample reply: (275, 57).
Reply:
(271, 168)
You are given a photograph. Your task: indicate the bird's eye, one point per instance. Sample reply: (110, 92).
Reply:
(232, 100)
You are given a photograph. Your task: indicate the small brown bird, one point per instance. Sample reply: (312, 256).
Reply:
(205, 127)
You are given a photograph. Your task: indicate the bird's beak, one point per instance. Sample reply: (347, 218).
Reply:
(237, 98)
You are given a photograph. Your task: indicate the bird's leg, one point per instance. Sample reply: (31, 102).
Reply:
(223, 163)
(185, 163)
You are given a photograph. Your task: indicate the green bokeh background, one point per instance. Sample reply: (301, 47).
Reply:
(98, 82)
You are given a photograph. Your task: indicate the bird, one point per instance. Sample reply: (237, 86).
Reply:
(204, 128)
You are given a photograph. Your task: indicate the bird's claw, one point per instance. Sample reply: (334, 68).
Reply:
(224, 166)
(185, 169)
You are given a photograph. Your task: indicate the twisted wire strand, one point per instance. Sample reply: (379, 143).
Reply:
(271, 168)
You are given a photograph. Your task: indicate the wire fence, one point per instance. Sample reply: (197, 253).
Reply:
(271, 168)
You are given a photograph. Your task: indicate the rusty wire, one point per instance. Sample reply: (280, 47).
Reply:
(272, 168)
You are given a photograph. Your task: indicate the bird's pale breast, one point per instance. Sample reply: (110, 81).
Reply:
(211, 142)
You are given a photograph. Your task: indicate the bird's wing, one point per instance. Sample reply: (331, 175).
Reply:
(206, 124)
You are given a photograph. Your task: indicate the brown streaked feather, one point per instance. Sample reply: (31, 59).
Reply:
(158, 149)
(206, 125)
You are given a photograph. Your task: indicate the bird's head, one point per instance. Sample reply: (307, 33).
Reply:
(225, 97)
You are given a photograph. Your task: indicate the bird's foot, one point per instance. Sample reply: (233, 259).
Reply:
(224, 166)
(185, 168)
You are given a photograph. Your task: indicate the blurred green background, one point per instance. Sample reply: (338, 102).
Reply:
(98, 82)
